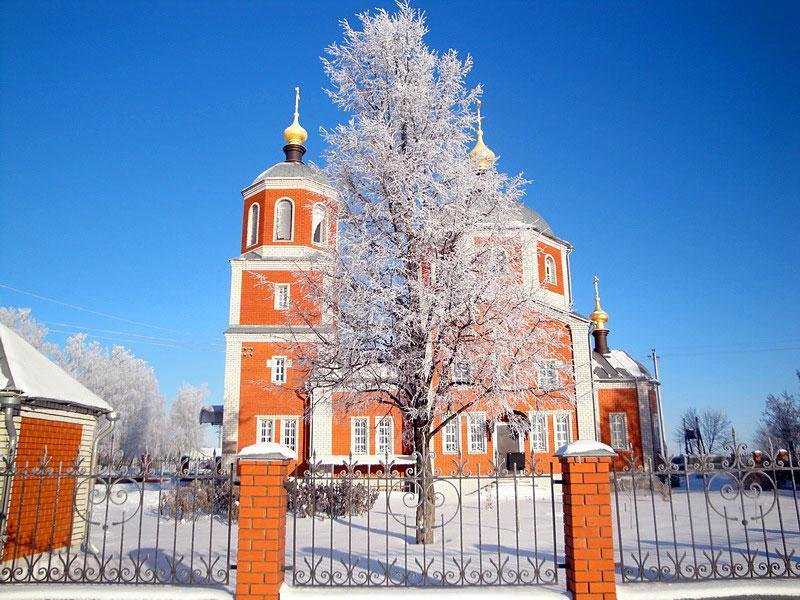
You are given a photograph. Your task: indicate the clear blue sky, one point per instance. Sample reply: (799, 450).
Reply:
(662, 139)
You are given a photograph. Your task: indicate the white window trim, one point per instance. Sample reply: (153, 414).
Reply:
(378, 420)
(273, 365)
(554, 364)
(296, 421)
(288, 295)
(250, 211)
(259, 426)
(550, 275)
(325, 229)
(556, 415)
(280, 434)
(485, 449)
(353, 435)
(624, 416)
(457, 422)
(275, 220)
(543, 414)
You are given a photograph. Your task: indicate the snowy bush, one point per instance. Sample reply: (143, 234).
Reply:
(332, 498)
(200, 497)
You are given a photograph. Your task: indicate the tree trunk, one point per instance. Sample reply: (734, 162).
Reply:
(423, 474)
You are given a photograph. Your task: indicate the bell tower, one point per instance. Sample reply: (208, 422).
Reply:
(287, 219)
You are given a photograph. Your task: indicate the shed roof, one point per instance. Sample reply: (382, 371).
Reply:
(25, 368)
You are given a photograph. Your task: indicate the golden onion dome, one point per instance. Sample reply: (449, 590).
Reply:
(481, 154)
(295, 133)
(598, 317)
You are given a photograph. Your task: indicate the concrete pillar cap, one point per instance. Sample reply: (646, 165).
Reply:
(266, 451)
(585, 448)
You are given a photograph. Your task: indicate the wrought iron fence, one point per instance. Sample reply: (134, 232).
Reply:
(731, 516)
(359, 525)
(147, 520)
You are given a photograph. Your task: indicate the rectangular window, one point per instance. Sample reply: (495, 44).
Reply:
(265, 428)
(278, 369)
(618, 423)
(290, 434)
(451, 437)
(476, 433)
(548, 376)
(384, 436)
(462, 371)
(282, 296)
(538, 432)
(359, 436)
(563, 429)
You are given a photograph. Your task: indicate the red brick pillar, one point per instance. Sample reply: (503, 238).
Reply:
(588, 533)
(262, 521)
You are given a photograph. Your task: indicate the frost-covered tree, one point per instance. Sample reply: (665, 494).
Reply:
(424, 278)
(126, 382)
(716, 429)
(29, 328)
(780, 422)
(185, 434)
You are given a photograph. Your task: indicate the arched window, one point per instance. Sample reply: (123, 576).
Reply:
(253, 223)
(319, 225)
(550, 269)
(284, 215)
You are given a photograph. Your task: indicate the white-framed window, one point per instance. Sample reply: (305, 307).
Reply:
(618, 425)
(384, 435)
(359, 436)
(451, 436)
(539, 433)
(476, 433)
(462, 370)
(501, 260)
(253, 218)
(548, 375)
(278, 429)
(282, 296)
(284, 219)
(289, 433)
(563, 429)
(265, 429)
(319, 224)
(550, 269)
(279, 368)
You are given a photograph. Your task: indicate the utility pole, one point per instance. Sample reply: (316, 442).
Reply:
(657, 375)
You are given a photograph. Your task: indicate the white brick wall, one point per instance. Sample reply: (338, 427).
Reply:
(585, 401)
(233, 375)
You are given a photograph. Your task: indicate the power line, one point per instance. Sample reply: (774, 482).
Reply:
(137, 336)
(88, 310)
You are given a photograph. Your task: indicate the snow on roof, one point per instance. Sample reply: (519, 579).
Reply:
(618, 364)
(25, 368)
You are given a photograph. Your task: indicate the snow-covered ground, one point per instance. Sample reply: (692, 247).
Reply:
(139, 545)
(719, 533)
(496, 535)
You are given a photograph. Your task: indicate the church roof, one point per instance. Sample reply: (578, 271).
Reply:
(618, 365)
(526, 216)
(293, 169)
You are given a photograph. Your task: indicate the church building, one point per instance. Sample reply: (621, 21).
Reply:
(288, 216)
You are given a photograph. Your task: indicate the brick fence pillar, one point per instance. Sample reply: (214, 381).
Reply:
(588, 533)
(262, 521)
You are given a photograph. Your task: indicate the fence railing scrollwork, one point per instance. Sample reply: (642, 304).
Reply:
(356, 525)
(729, 516)
(143, 520)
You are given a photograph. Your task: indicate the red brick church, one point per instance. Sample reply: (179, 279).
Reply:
(286, 218)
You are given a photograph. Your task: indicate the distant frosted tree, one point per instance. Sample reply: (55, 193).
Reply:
(715, 428)
(185, 434)
(424, 281)
(780, 423)
(22, 322)
(127, 383)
